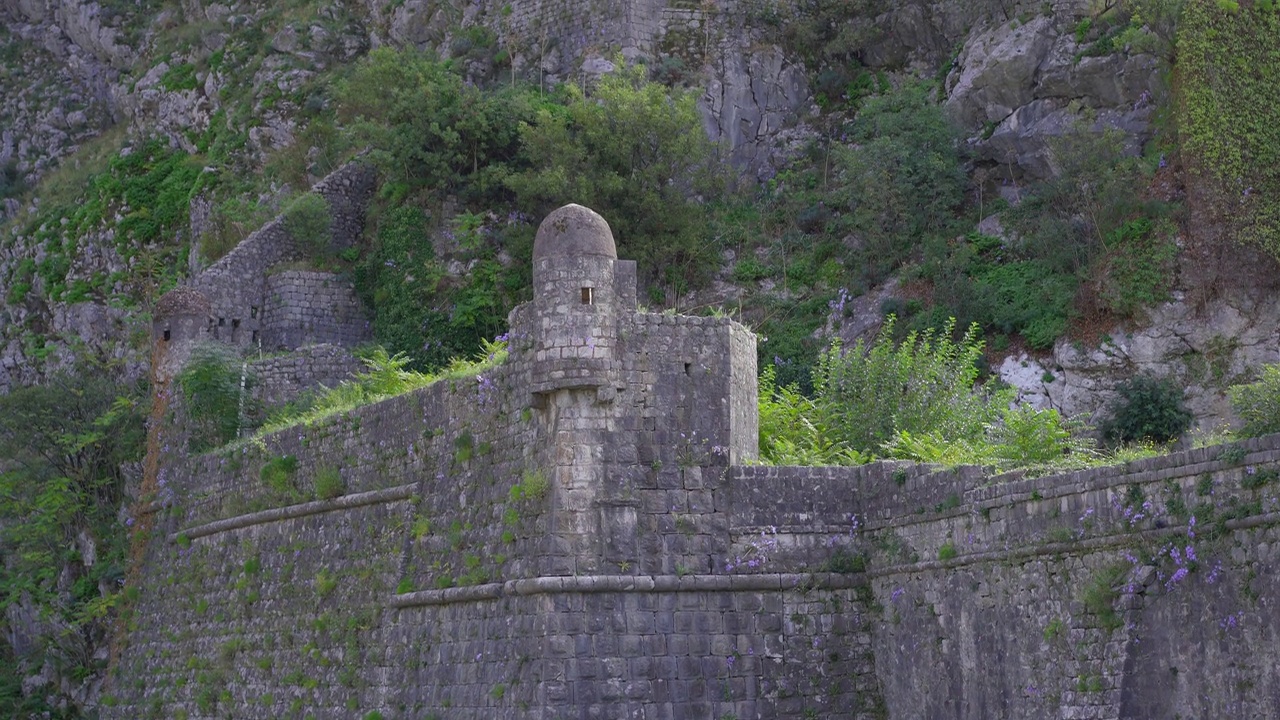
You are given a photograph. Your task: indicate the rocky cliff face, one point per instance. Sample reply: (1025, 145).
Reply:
(1017, 76)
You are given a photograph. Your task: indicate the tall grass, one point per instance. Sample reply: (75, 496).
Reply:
(386, 377)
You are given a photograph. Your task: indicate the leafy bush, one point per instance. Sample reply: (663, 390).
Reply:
(898, 179)
(1258, 403)
(1147, 409)
(64, 445)
(422, 311)
(428, 129)
(329, 483)
(307, 220)
(1138, 266)
(923, 384)
(278, 474)
(635, 152)
(213, 384)
(789, 429)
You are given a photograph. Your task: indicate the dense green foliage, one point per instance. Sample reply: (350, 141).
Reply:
(636, 152)
(307, 221)
(386, 376)
(791, 432)
(897, 180)
(915, 399)
(62, 447)
(866, 395)
(1229, 68)
(1258, 403)
(214, 388)
(1147, 409)
(474, 166)
(427, 129)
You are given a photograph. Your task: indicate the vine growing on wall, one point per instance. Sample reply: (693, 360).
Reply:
(1229, 72)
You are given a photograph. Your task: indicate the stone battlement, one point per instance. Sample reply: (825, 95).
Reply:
(579, 532)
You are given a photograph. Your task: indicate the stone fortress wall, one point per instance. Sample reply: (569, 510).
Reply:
(254, 297)
(579, 533)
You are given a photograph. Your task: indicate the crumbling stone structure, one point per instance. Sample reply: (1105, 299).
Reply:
(580, 533)
(254, 297)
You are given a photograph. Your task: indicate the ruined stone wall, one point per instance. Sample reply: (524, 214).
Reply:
(236, 285)
(303, 308)
(279, 379)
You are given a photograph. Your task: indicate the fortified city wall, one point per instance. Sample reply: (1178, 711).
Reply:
(580, 532)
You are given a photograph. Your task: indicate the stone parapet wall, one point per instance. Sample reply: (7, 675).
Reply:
(1047, 596)
(306, 308)
(282, 378)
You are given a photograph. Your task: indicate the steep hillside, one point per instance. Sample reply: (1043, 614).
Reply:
(1092, 183)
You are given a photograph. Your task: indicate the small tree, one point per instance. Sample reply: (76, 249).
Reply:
(924, 384)
(635, 152)
(1258, 403)
(212, 385)
(1149, 409)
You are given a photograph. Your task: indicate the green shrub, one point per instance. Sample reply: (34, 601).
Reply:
(790, 429)
(533, 486)
(278, 473)
(898, 180)
(1147, 409)
(307, 219)
(329, 484)
(635, 152)
(212, 384)
(325, 583)
(1027, 436)
(1258, 403)
(1100, 593)
(1138, 266)
(181, 76)
(924, 384)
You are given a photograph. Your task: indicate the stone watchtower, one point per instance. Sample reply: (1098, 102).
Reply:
(580, 288)
(180, 322)
(626, 399)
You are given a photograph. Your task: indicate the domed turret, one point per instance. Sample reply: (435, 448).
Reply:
(576, 299)
(574, 231)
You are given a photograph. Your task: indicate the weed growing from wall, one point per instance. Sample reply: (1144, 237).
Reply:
(329, 483)
(213, 383)
(1258, 403)
(279, 474)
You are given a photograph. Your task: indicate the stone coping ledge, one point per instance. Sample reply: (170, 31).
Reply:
(354, 500)
(1025, 552)
(628, 584)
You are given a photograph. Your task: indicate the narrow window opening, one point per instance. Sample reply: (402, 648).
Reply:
(254, 337)
(222, 321)
(586, 296)
(687, 368)
(166, 335)
(253, 311)
(235, 323)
